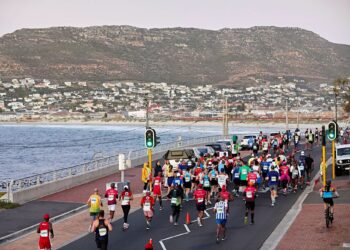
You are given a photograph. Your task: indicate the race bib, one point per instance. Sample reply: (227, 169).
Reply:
(147, 207)
(252, 181)
(93, 200)
(206, 183)
(110, 197)
(44, 233)
(156, 182)
(173, 200)
(244, 171)
(220, 210)
(265, 167)
(236, 175)
(301, 167)
(200, 200)
(125, 201)
(102, 231)
(249, 194)
(273, 178)
(187, 179)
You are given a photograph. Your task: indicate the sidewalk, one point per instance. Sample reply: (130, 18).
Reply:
(309, 229)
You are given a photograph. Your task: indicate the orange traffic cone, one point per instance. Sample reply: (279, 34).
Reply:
(149, 245)
(188, 218)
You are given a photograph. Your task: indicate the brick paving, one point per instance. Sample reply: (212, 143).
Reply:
(309, 229)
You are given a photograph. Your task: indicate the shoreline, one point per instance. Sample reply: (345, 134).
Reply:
(166, 123)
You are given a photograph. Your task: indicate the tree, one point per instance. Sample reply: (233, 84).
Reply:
(342, 84)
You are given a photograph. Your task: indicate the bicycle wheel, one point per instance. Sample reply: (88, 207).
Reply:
(327, 217)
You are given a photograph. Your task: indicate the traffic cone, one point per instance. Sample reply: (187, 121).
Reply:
(188, 218)
(149, 245)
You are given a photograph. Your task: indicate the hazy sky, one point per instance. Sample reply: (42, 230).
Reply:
(328, 18)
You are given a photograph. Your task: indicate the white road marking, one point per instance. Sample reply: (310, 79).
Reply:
(161, 242)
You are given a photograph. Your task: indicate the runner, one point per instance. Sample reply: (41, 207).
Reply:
(227, 197)
(265, 146)
(309, 167)
(170, 177)
(310, 139)
(157, 189)
(46, 232)
(95, 204)
(213, 175)
(236, 180)
(301, 169)
(187, 183)
(176, 196)
(285, 179)
(243, 177)
(199, 196)
(147, 203)
(264, 165)
(296, 139)
(249, 195)
(273, 177)
(252, 178)
(112, 196)
(101, 227)
(255, 148)
(222, 179)
(295, 176)
(221, 210)
(125, 198)
(316, 136)
(257, 170)
(206, 186)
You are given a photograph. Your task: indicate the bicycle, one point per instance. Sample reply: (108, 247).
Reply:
(328, 217)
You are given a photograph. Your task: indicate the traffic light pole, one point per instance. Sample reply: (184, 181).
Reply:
(333, 159)
(324, 155)
(149, 153)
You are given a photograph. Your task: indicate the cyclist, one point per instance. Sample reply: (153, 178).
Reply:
(327, 193)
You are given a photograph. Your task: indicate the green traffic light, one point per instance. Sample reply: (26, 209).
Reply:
(149, 144)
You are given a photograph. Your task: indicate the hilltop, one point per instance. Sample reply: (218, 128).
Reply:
(173, 55)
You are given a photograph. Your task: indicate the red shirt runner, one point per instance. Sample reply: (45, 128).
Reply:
(199, 195)
(157, 186)
(252, 177)
(147, 201)
(44, 239)
(111, 195)
(250, 193)
(125, 197)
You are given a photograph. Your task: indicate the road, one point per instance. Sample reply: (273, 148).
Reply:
(194, 237)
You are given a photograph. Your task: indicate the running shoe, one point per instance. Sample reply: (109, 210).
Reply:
(246, 220)
(171, 219)
(176, 224)
(224, 238)
(217, 240)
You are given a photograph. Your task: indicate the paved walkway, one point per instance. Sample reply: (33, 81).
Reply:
(309, 230)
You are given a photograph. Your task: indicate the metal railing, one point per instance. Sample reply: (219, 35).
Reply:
(55, 175)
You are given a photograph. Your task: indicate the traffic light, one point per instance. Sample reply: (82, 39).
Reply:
(332, 131)
(151, 139)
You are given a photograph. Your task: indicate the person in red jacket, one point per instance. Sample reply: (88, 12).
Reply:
(147, 203)
(112, 196)
(157, 189)
(199, 196)
(249, 195)
(46, 232)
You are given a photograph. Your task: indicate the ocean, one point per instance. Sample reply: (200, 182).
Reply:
(30, 149)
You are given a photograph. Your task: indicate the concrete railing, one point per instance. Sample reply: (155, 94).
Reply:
(33, 187)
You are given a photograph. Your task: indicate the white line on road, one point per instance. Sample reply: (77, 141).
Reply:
(161, 242)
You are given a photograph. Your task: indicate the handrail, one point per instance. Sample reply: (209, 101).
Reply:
(68, 172)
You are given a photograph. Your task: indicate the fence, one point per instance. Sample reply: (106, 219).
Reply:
(88, 167)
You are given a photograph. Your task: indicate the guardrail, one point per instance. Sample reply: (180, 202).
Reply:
(60, 174)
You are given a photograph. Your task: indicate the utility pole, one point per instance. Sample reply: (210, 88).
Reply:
(147, 112)
(298, 113)
(225, 118)
(336, 106)
(287, 126)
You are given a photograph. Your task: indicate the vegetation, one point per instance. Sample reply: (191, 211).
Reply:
(342, 84)
(8, 205)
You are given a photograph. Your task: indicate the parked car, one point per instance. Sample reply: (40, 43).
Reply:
(220, 148)
(227, 142)
(342, 156)
(247, 141)
(199, 151)
(176, 155)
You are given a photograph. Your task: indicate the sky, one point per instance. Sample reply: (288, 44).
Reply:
(328, 18)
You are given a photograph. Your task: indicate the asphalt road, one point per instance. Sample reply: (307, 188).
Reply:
(239, 236)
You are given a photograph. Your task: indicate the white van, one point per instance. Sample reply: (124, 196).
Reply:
(342, 156)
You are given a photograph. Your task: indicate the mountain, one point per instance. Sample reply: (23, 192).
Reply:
(173, 55)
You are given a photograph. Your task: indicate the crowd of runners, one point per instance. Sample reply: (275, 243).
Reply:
(277, 165)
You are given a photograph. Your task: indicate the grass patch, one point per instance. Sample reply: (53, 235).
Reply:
(2, 193)
(8, 205)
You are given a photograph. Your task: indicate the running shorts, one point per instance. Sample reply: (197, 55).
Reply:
(94, 215)
(148, 214)
(187, 184)
(221, 221)
(250, 205)
(243, 183)
(214, 182)
(328, 201)
(200, 206)
(157, 191)
(111, 207)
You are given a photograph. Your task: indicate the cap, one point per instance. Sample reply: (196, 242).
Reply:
(200, 185)
(95, 190)
(46, 216)
(126, 187)
(178, 174)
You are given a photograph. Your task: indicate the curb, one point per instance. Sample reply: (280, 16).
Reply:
(21, 233)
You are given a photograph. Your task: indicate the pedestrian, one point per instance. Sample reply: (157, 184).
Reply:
(125, 198)
(112, 196)
(221, 209)
(46, 232)
(95, 204)
(147, 204)
(101, 227)
(158, 168)
(146, 176)
(176, 196)
(249, 195)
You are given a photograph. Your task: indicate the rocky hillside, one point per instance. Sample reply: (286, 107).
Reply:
(176, 55)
